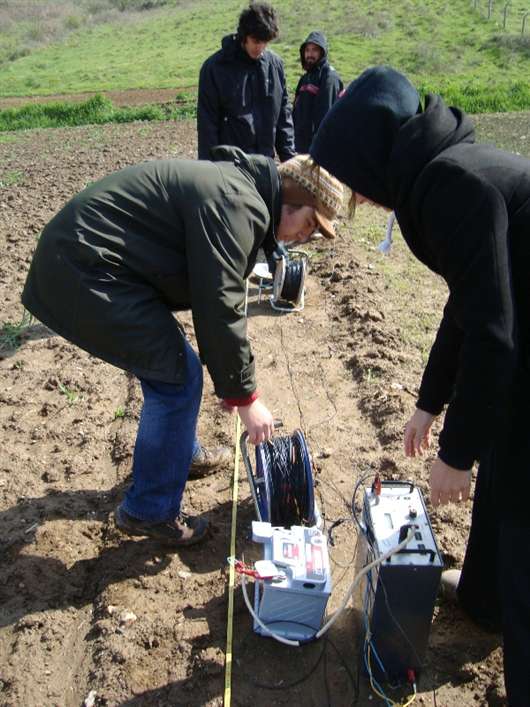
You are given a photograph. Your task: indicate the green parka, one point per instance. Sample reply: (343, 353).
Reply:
(158, 237)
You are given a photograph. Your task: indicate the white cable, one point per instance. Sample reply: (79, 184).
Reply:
(345, 600)
(257, 619)
(358, 578)
(386, 245)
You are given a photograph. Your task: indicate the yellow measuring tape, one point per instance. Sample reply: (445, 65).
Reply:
(232, 573)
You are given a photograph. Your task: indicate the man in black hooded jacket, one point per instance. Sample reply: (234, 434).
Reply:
(464, 211)
(242, 98)
(317, 90)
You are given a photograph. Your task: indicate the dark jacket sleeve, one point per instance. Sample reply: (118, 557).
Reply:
(329, 89)
(209, 113)
(438, 382)
(217, 243)
(466, 222)
(284, 127)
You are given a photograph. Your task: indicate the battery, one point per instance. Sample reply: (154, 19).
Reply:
(293, 603)
(399, 594)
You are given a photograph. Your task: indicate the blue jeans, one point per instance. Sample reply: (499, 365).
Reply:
(165, 444)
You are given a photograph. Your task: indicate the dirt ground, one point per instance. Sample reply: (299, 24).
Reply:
(91, 617)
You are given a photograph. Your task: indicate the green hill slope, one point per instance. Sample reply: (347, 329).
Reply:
(447, 46)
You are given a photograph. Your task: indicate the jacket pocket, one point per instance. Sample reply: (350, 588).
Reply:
(239, 130)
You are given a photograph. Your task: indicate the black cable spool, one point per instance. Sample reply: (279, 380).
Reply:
(288, 281)
(283, 482)
(294, 280)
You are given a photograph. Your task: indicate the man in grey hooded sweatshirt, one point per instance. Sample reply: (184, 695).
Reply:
(317, 90)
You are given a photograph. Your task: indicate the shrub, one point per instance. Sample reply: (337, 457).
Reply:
(73, 22)
(135, 5)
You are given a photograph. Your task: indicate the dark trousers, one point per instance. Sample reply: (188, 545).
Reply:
(494, 588)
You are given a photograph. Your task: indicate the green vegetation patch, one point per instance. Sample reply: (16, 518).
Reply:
(9, 179)
(11, 334)
(97, 109)
(481, 97)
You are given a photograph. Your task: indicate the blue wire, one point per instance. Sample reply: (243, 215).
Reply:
(370, 587)
(368, 670)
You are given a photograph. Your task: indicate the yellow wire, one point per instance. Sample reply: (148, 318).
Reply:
(232, 574)
(380, 694)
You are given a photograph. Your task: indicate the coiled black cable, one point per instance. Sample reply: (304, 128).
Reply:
(285, 465)
(293, 281)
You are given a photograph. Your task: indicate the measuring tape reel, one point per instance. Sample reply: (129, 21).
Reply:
(282, 483)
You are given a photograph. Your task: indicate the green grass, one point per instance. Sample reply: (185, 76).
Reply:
(68, 393)
(9, 179)
(445, 47)
(119, 413)
(151, 50)
(11, 334)
(95, 110)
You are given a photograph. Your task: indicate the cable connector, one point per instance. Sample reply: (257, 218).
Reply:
(377, 485)
(411, 676)
(263, 569)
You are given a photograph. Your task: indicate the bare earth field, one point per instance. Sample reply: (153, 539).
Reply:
(87, 614)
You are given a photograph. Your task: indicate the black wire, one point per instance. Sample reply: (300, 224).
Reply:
(326, 678)
(325, 641)
(285, 685)
(353, 509)
(335, 524)
(288, 482)
(354, 679)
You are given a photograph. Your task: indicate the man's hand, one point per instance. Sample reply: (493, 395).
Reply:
(418, 433)
(449, 484)
(258, 421)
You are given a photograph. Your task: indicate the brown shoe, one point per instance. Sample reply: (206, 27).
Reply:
(487, 620)
(184, 530)
(208, 460)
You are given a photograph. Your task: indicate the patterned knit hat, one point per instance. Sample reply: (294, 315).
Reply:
(305, 183)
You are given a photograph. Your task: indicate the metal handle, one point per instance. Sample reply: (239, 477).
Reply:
(395, 482)
(253, 482)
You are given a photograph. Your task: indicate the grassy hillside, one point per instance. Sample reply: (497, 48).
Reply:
(448, 46)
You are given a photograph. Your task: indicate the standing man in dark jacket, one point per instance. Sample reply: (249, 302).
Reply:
(317, 90)
(163, 236)
(464, 211)
(242, 98)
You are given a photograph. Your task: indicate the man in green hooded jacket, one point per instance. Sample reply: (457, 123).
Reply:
(115, 263)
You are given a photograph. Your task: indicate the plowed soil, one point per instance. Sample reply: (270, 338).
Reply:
(91, 617)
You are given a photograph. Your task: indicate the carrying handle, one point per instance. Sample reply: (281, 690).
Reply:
(417, 551)
(243, 446)
(392, 482)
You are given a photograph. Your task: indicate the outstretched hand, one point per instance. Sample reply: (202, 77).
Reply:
(449, 484)
(418, 433)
